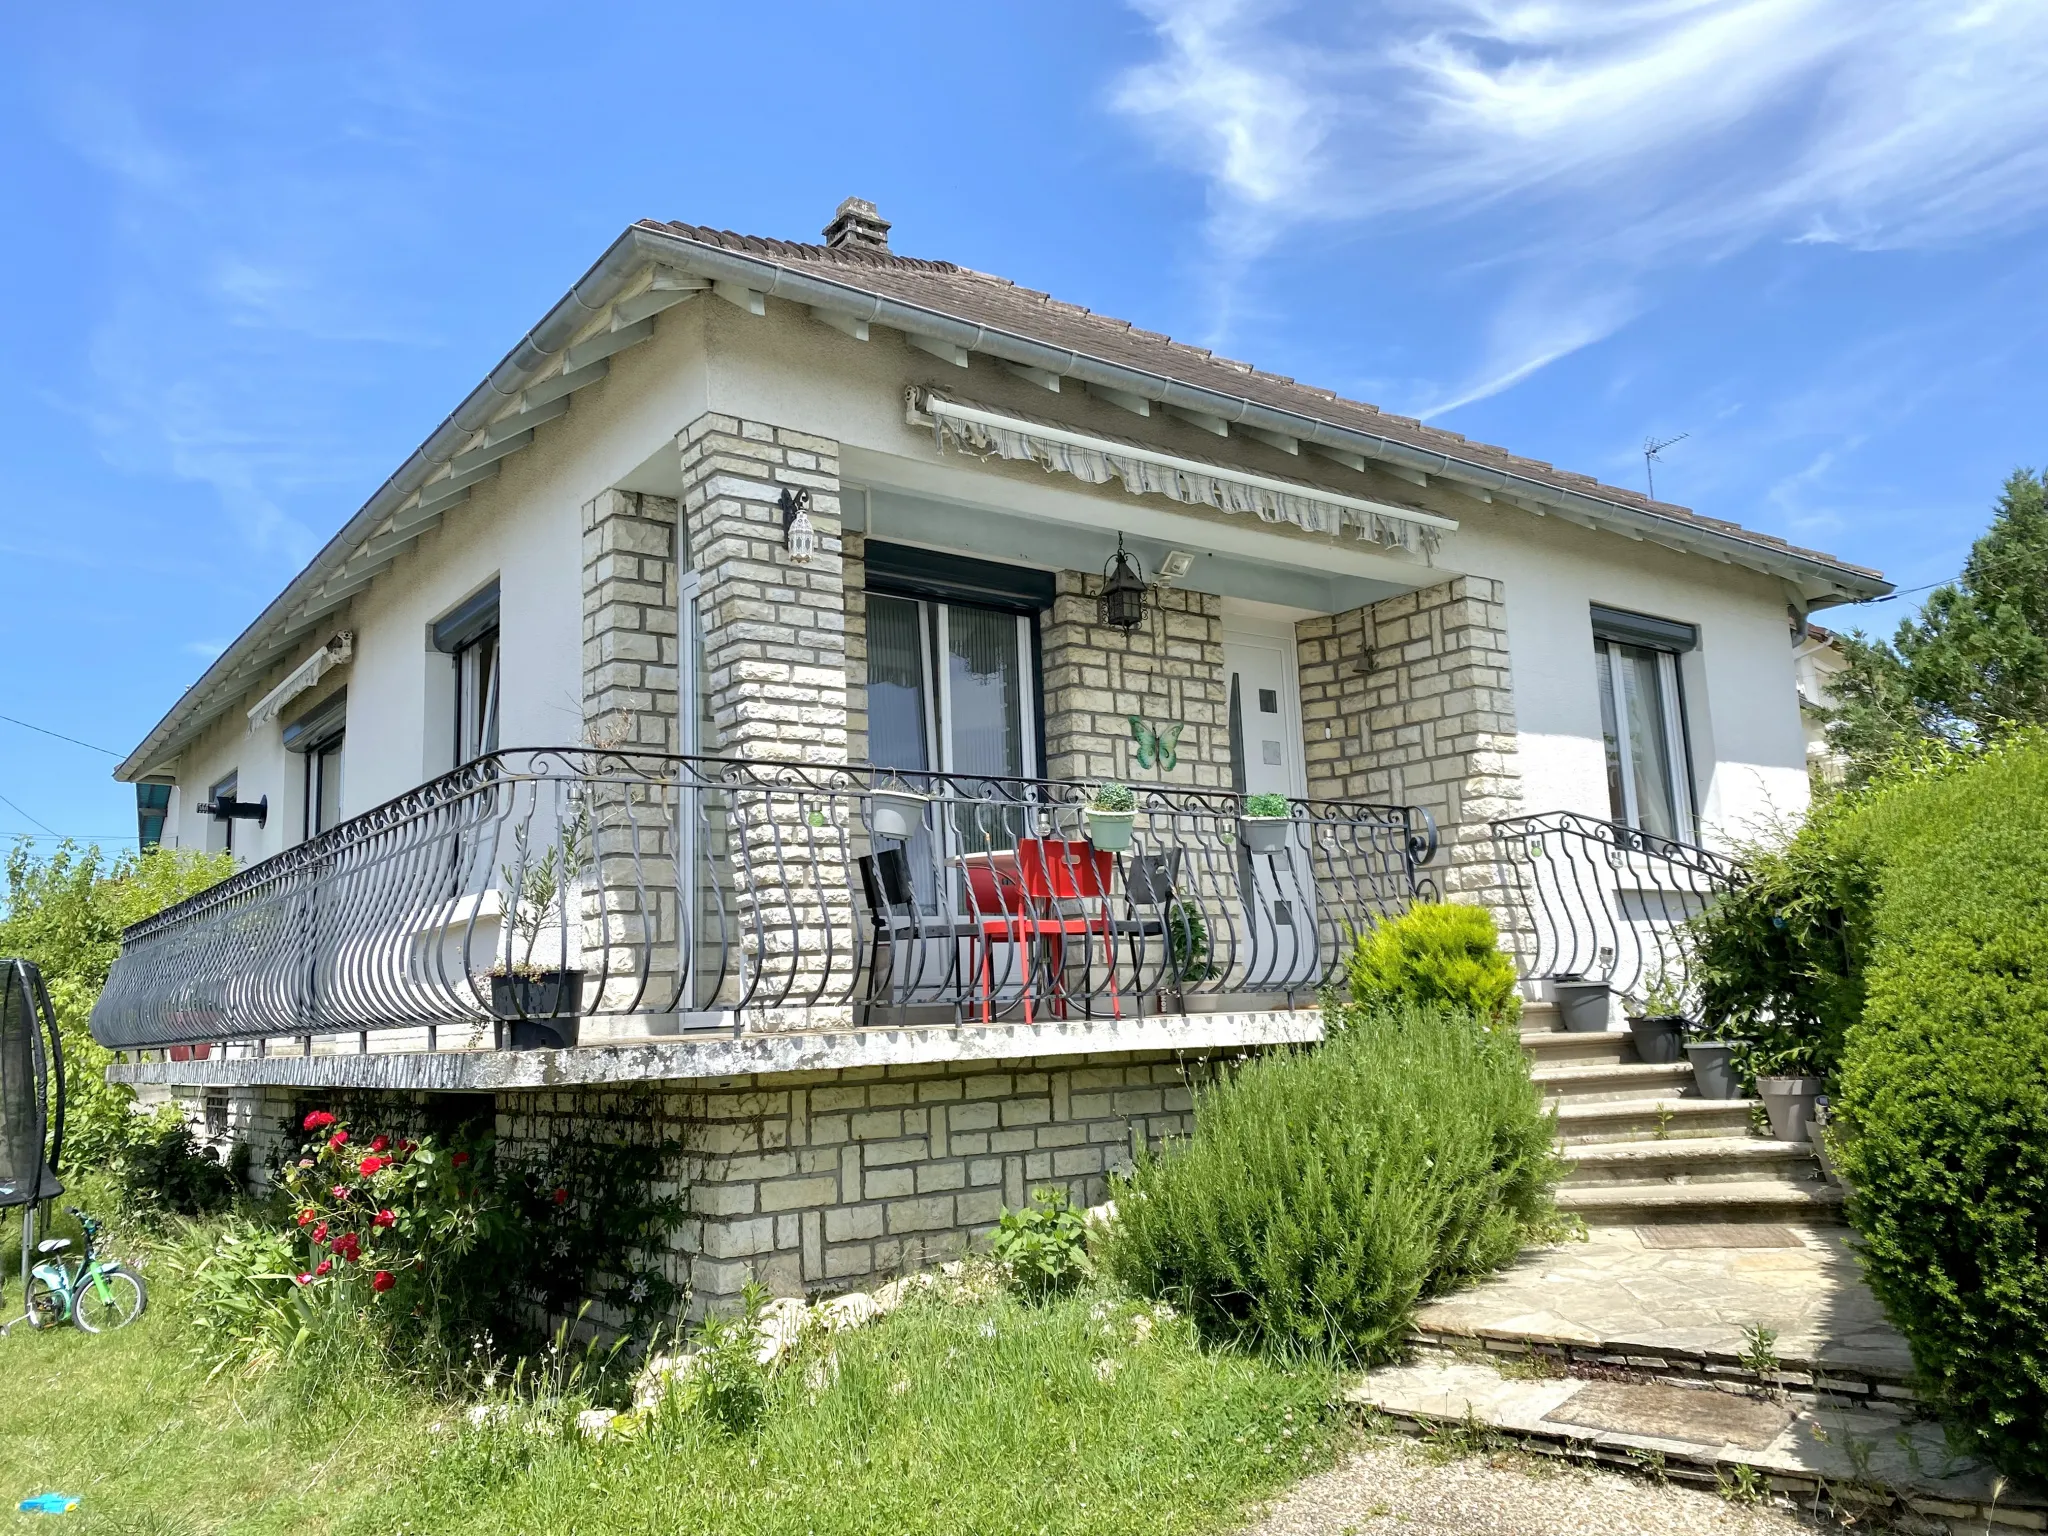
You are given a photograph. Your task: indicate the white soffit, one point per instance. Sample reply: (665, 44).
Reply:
(306, 674)
(1096, 460)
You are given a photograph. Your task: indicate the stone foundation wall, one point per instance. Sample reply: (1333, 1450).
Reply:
(1169, 669)
(824, 1181)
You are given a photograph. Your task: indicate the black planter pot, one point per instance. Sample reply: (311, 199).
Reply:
(1658, 1037)
(540, 1012)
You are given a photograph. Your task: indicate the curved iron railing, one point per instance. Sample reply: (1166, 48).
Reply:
(556, 882)
(1605, 902)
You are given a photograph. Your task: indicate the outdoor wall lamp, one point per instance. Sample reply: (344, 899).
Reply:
(1122, 604)
(231, 809)
(799, 535)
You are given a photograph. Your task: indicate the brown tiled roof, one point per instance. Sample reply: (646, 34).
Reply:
(981, 299)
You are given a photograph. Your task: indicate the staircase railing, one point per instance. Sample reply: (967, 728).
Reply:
(1606, 902)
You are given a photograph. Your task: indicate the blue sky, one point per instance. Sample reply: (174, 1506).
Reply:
(255, 253)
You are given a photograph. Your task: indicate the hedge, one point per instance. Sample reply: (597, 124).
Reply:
(1944, 1093)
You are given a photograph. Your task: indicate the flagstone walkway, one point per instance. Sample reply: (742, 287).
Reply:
(1687, 1291)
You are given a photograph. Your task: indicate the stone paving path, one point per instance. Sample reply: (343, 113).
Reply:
(1688, 1288)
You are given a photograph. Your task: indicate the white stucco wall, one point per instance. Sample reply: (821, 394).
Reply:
(786, 368)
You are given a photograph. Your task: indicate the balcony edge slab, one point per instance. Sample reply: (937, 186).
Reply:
(760, 1055)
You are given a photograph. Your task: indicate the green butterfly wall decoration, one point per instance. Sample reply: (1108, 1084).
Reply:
(1160, 747)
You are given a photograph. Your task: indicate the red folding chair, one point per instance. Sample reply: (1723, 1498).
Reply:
(1027, 899)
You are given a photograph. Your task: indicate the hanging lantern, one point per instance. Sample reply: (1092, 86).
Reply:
(799, 534)
(1122, 604)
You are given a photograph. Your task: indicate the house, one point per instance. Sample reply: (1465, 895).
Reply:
(719, 692)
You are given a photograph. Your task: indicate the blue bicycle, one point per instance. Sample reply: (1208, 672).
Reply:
(99, 1295)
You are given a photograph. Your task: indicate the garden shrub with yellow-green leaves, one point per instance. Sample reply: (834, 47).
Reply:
(1441, 953)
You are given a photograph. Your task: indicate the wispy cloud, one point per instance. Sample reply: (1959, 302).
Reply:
(1621, 135)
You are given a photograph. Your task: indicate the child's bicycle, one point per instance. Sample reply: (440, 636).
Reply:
(97, 1294)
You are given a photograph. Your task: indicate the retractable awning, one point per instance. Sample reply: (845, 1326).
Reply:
(1145, 471)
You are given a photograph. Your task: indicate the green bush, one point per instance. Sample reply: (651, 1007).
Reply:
(164, 1171)
(1267, 805)
(1043, 1246)
(1944, 1093)
(1436, 953)
(1324, 1192)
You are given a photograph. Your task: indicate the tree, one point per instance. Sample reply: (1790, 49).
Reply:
(1974, 662)
(65, 912)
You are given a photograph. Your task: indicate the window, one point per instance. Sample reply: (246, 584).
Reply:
(1642, 721)
(470, 636)
(220, 833)
(317, 736)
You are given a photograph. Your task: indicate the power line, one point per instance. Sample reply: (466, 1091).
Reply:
(45, 730)
(26, 817)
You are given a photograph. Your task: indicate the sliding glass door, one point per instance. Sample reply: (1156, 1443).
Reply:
(949, 689)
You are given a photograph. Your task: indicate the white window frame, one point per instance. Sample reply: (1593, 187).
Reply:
(1672, 696)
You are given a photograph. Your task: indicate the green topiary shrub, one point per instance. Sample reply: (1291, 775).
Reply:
(1944, 1094)
(1436, 953)
(1324, 1192)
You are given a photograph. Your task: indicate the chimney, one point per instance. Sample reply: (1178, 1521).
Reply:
(856, 225)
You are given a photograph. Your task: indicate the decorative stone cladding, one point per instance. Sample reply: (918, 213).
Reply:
(1419, 705)
(1169, 669)
(776, 664)
(775, 631)
(630, 658)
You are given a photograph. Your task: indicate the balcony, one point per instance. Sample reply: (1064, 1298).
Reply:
(554, 897)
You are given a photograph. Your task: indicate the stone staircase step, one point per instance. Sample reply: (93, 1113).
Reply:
(1572, 1048)
(1626, 1080)
(1726, 1200)
(1691, 1160)
(1855, 1457)
(1650, 1119)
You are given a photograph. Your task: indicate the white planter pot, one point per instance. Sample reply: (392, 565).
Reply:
(1266, 834)
(896, 812)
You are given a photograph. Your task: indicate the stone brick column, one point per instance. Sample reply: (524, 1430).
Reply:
(775, 658)
(1409, 701)
(1168, 669)
(631, 678)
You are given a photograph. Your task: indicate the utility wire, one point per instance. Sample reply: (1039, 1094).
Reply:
(45, 730)
(1857, 603)
(25, 815)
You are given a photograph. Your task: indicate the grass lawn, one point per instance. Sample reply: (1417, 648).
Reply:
(947, 1417)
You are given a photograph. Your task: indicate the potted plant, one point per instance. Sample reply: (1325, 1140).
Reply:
(1111, 814)
(1712, 1054)
(1656, 1022)
(1788, 1085)
(1583, 1006)
(897, 812)
(1266, 822)
(540, 1004)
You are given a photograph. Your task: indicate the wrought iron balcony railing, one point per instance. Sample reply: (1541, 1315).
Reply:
(1605, 902)
(554, 884)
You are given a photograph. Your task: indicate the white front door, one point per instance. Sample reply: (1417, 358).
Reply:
(1264, 714)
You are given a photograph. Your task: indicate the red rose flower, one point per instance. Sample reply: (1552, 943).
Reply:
(370, 1165)
(458, 1159)
(381, 1281)
(385, 1218)
(307, 1216)
(561, 1197)
(302, 1279)
(320, 1233)
(338, 1139)
(341, 1191)
(407, 1148)
(348, 1247)
(318, 1120)
(380, 1143)
(323, 1266)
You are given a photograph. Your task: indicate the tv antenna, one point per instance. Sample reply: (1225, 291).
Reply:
(1651, 449)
